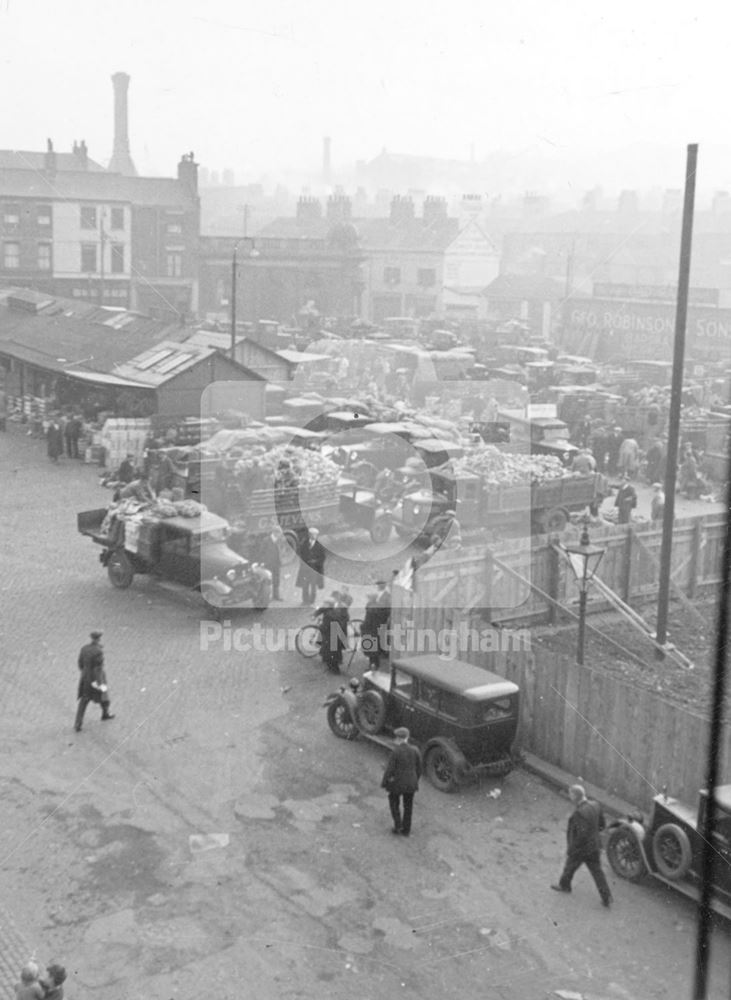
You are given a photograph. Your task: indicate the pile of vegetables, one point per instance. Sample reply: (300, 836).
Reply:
(500, 468)
(306, 467)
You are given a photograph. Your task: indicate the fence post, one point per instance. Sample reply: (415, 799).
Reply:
(626, 574)
(695, 556)
(553, 578)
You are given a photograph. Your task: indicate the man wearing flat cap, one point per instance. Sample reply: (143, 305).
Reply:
(401, 780)
(93, 680)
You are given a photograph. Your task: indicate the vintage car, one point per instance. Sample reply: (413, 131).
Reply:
(463, 718)
(192, 552)
(669, 846)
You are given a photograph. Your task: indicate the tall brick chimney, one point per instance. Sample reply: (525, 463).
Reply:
(121, 161)
(188, 173)
(50, 159)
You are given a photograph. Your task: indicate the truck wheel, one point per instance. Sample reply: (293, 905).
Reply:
(555, 521)
(381, 529)
(442, 768)
(624, 854)
(671, 849)
(288, 548)
(210, 596)
(340, 720)
(120, 570)
(371, 712)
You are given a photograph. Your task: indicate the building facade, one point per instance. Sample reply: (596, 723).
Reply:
(129, 242)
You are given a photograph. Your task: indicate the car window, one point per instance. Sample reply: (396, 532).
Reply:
(451, 705)
(403, 683)
(175, 543)
(427, 694)
(723, 827)
(499, 708)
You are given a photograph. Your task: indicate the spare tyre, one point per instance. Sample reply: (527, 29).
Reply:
(371, 712)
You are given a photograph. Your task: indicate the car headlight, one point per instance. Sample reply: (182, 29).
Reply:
(416, 510)
(231, 574)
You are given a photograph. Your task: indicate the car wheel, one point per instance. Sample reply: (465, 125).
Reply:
(371, 712)
(442, 768)
(624, 854)
(671, 849)
(340, 721)
(120, 571)
(308, 641)
(381, 530)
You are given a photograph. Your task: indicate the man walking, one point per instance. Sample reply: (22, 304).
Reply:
(312, 567)
(271, 557)
(584, 845)
(401, 780)
(93, 680)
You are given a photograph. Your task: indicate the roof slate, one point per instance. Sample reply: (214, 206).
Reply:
(374, 234)
(92, 186)
(70, 333)
(23, 159)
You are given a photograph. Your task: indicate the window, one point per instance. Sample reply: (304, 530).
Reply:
(88, 257)
(117, 220)
(11, 255)
(426, 277)
(117, 258)
(11, 216)
(392, 275)
(174, 228)
(43, 215)
(402, 682)
(428, 695)
(174, 265)
(44, 256)
(451, 705)
(88, 217)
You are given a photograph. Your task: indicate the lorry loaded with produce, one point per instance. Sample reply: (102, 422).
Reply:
(178, 542)
(492, 490)
(256, 488)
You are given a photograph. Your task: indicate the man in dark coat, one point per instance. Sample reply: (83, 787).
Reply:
(312, 567)
(613, 443)
(625, 500)
(369, 632)
(270, 556)
(401, 780)
(93, 680)
(584, 844)
(54, 440)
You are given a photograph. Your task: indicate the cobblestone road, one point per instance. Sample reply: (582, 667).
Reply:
(215, 839)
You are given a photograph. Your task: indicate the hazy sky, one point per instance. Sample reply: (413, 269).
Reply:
(257, 85)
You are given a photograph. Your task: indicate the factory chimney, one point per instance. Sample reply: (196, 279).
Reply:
(121, 161)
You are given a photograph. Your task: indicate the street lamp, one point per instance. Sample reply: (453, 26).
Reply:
(584, 560)
(253, 253)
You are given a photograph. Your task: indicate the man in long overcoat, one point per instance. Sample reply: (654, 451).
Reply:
(312, 567)
(401, 780)
(93, 680)
(271, 557)
(584, 844)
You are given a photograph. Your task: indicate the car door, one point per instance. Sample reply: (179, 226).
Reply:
(400, 711)
(425, 719)
(175, 559)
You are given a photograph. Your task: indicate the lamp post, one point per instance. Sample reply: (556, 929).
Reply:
(253, 253)
(584, 560)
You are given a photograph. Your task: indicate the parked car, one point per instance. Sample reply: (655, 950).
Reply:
(669, 846)
(463, 718)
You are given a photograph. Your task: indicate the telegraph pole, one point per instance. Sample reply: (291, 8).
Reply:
(233, 302)
(676, 392)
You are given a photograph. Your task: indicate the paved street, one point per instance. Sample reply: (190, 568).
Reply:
(216, 840)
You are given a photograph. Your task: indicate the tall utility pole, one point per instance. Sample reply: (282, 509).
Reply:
(102, 237)
(233, 302)
(676, 392)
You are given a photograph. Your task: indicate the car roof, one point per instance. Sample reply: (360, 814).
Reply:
(457, 676)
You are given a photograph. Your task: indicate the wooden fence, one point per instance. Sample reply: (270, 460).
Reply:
(621, 737)
(524, 578)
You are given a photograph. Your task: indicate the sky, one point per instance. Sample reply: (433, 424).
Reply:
(255, 86)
